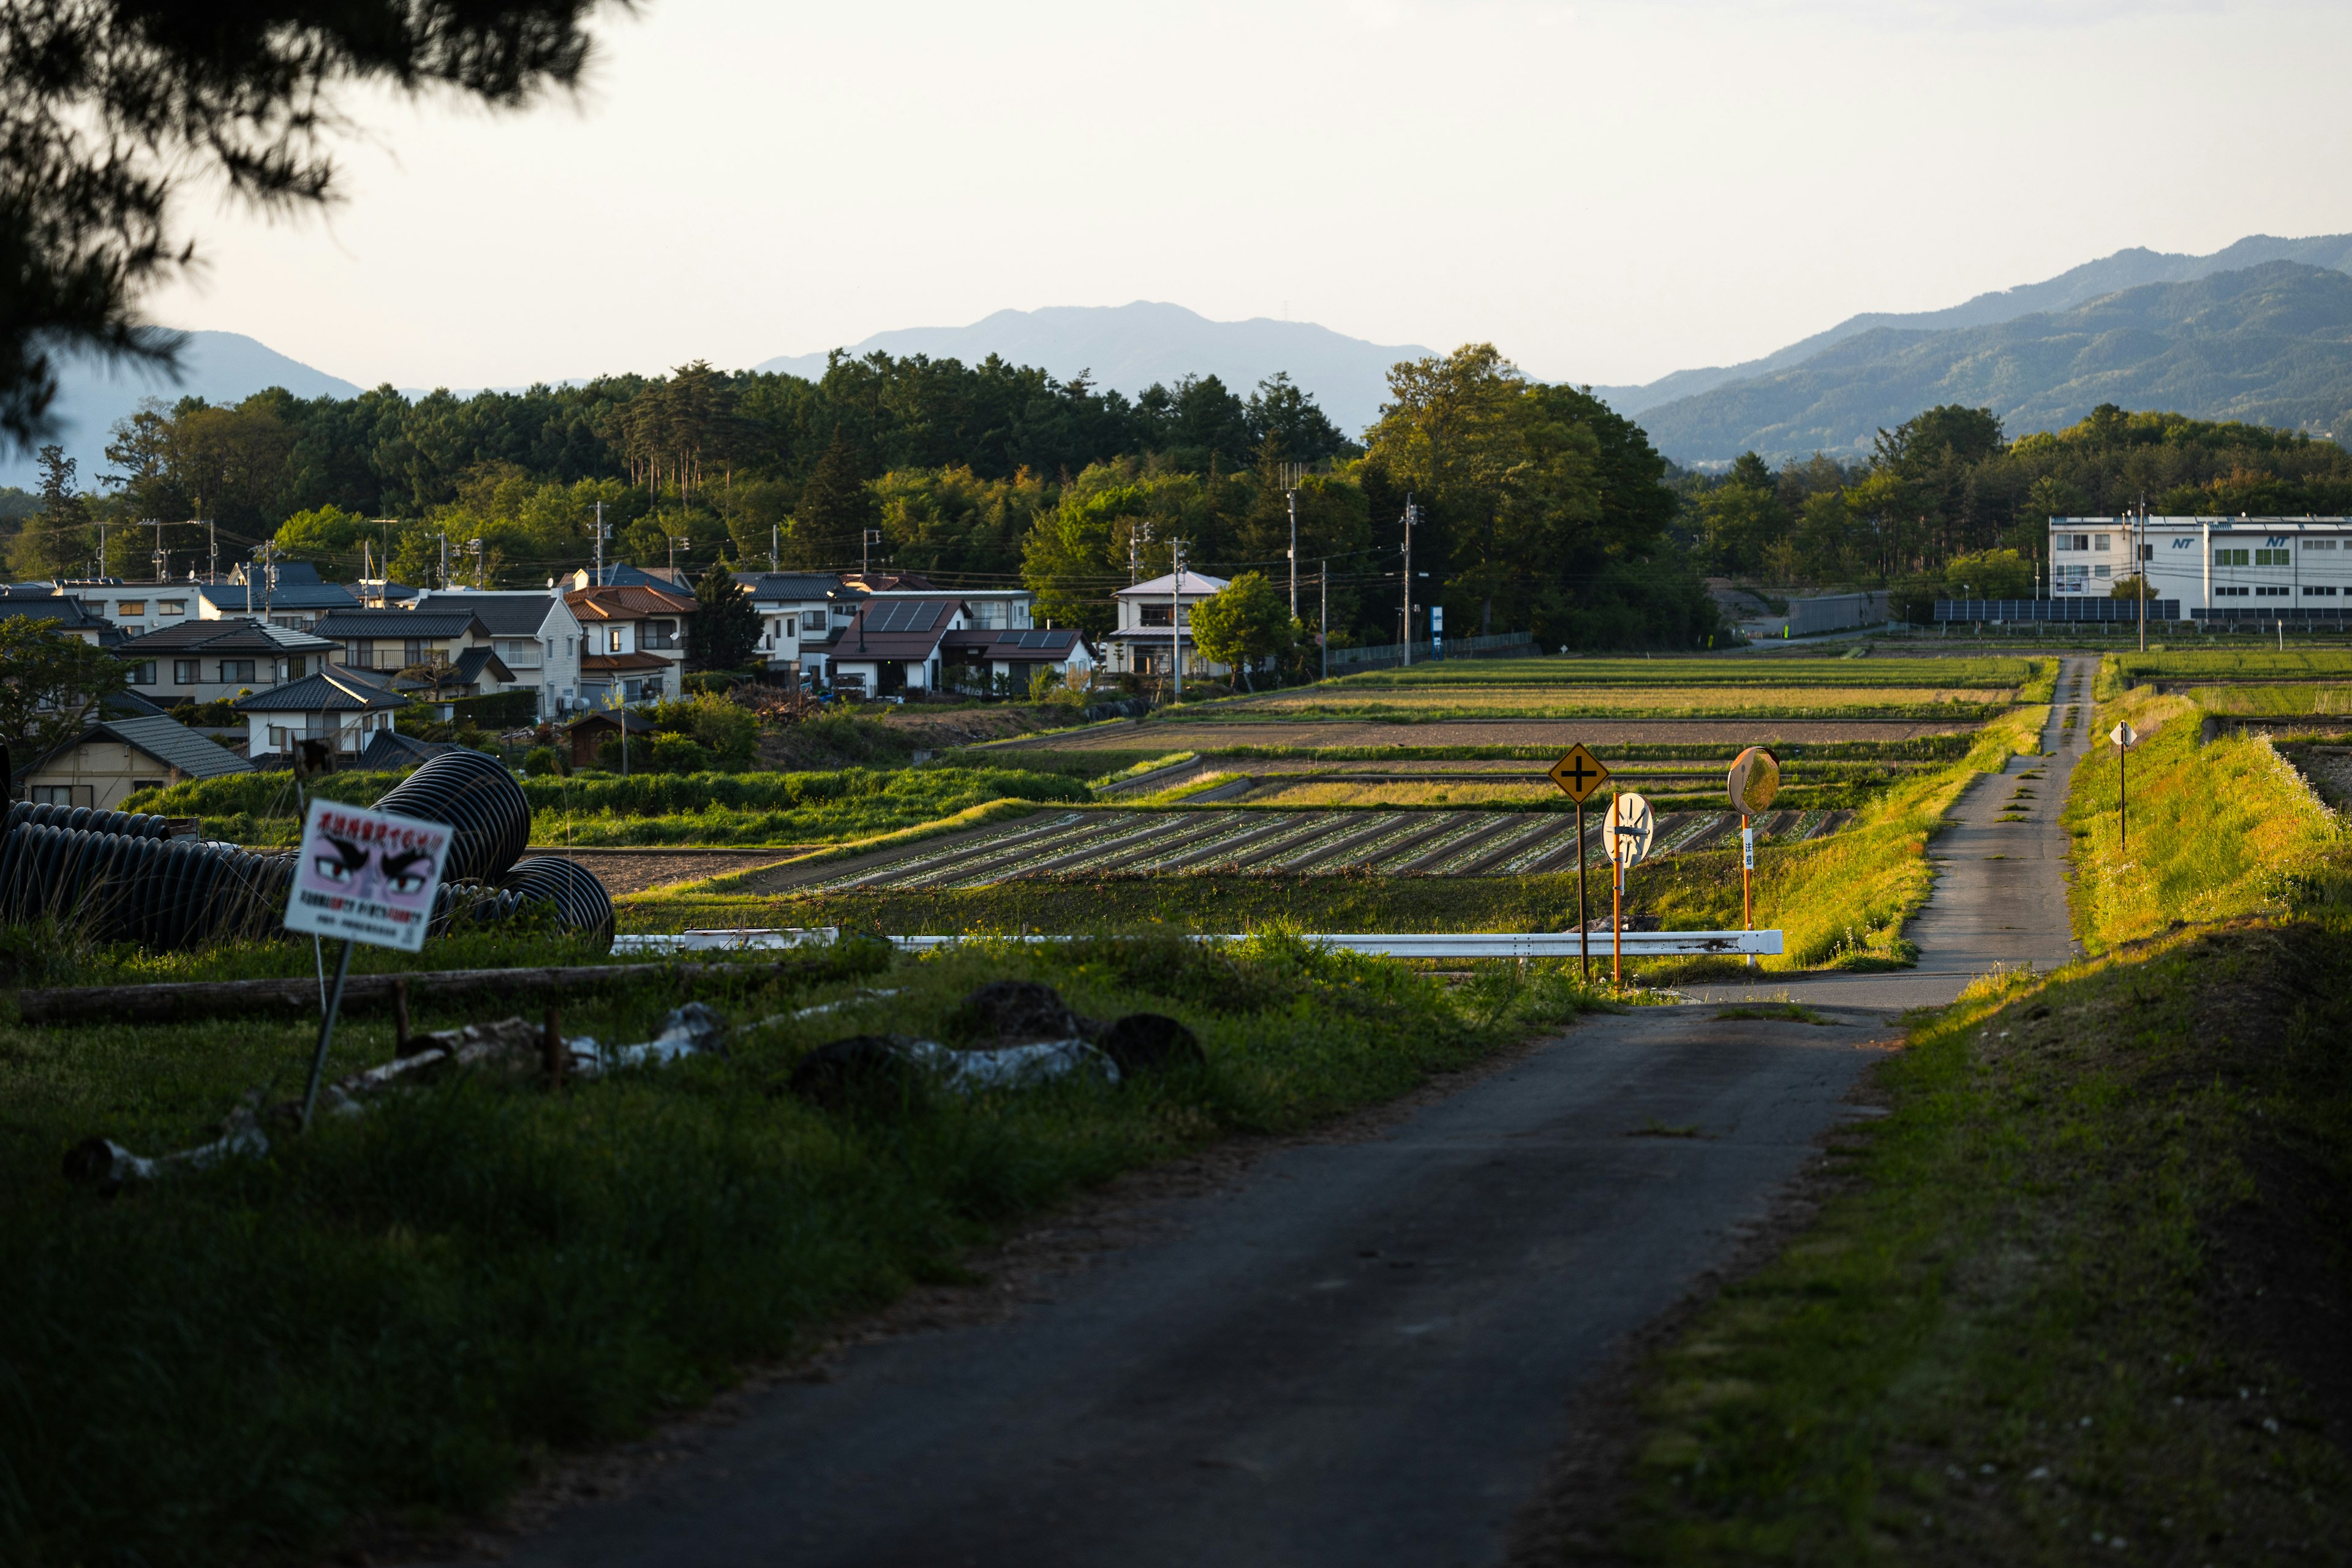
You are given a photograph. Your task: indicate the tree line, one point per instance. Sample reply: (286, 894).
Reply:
(1946, 499)
(1537, 507)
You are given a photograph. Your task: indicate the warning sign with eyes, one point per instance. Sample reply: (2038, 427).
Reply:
(366, 874)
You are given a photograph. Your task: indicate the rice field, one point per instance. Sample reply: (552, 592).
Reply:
(1378, 843)
(1669, 702)
(1978, 675)
(2247, 664)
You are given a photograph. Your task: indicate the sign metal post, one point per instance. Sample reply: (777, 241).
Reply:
(1755, 780)
(1579, 774)
(1625, 834)
(366, 877)
(2125, 737)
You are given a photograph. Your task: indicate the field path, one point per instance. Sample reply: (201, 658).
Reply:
(2001, 886)
(1356, 1354)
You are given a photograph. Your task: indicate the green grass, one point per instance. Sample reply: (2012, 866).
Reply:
(665, 808)
(2290, 700)
(2253, 664)
(2055, 1311)
(2215, 831)
(402, 1314)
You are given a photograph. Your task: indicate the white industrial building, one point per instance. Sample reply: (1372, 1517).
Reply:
(2218, 569)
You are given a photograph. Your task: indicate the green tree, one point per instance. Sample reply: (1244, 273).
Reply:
(113, 105)
(1245, 621)
(51, 682)
(834, 509)
(725, 629)
(58, 541)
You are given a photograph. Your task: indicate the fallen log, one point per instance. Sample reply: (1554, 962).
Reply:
(176, 1001)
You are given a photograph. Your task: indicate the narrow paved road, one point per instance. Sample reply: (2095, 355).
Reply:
(1361, 1354)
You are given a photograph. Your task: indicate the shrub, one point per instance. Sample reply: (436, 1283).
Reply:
(723, 729)
(676, 755)
(541, 762)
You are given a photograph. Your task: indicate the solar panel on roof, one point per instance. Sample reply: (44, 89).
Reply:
(905, 615)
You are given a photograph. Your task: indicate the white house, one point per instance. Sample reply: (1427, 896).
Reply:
(284, 592)
(635, 643)
(203, 661)
(2215, 570)
(893, 645)
(799, 612)
(342, 706)
(1155, 620)
(538, 638)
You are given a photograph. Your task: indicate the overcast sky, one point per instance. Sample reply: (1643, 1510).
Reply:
(1606, 191)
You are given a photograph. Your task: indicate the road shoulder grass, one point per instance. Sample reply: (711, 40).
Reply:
(2080, 1292)
(403, 1315)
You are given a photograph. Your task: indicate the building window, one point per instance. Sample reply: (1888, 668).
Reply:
(172, 607)
(2307, 544)
(184, 672)
(812, 622)
(360, 654)
(2270, 557)
(236, 670)
(281, 737)
(132, 607)
(2102, 570)
(138, 784)
(661, 634)
(2319, 592)
(2228, 593)
(51, 795)
(1153, 615)
(2280, 593)
(2104, 542)
(414, 651)
(2232, 557)
(144, 674)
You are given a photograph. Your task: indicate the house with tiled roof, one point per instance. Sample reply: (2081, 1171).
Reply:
(458, 641)
(344, 708)
(892, 645)
(285, 592)
(1155, 625)
(113, 758)
(635, 643)
(48, 602)
(800, 613)
(203, 661)
(537, 635)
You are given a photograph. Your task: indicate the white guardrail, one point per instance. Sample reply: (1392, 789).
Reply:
(1391, 945)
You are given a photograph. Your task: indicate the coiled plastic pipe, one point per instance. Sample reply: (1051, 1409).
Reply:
(124, 879)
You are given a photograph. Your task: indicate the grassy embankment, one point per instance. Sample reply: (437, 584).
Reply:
(591, 809)
(2083, 1292)
(400, 1315)
(2216, 831)
(2079, 1295)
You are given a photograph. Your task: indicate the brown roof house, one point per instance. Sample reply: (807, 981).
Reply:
(113, 758)
(635, 643)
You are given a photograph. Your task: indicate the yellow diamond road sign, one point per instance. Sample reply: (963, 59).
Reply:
(1579, 773)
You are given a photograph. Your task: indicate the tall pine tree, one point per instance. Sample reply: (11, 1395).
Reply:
(834, 509)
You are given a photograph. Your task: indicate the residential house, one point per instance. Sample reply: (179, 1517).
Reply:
(204, 661)
(115, 757)
(620, 574)
(48, 602)
(283, 593)
(1155, 620)
(457, 639)
(635, 643)
(893, 645)
(800, 613)
(975, 658)
(537, 637)
(344, 708)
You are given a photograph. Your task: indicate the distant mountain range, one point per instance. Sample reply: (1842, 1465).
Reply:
(1126, 348)
(220, 367)
(2140, 328)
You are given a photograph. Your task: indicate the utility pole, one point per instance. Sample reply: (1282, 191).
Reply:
(1176, 615)
(772, 547)
(2139, 568)
(444, 538)
(100, 573)
(674, 543)
(162, 560)
(1291, 474)
(1323, 632)
(1405, 640)
(211, 551)
(474, 544)
(867, 541)
(600, 544)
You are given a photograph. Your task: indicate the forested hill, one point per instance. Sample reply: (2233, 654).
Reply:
(2269, 345)
(1128, 348)
(2128, 269)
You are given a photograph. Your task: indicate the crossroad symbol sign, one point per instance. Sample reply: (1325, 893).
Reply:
(1625, 832)
(2123, 734)
(1579, 773)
